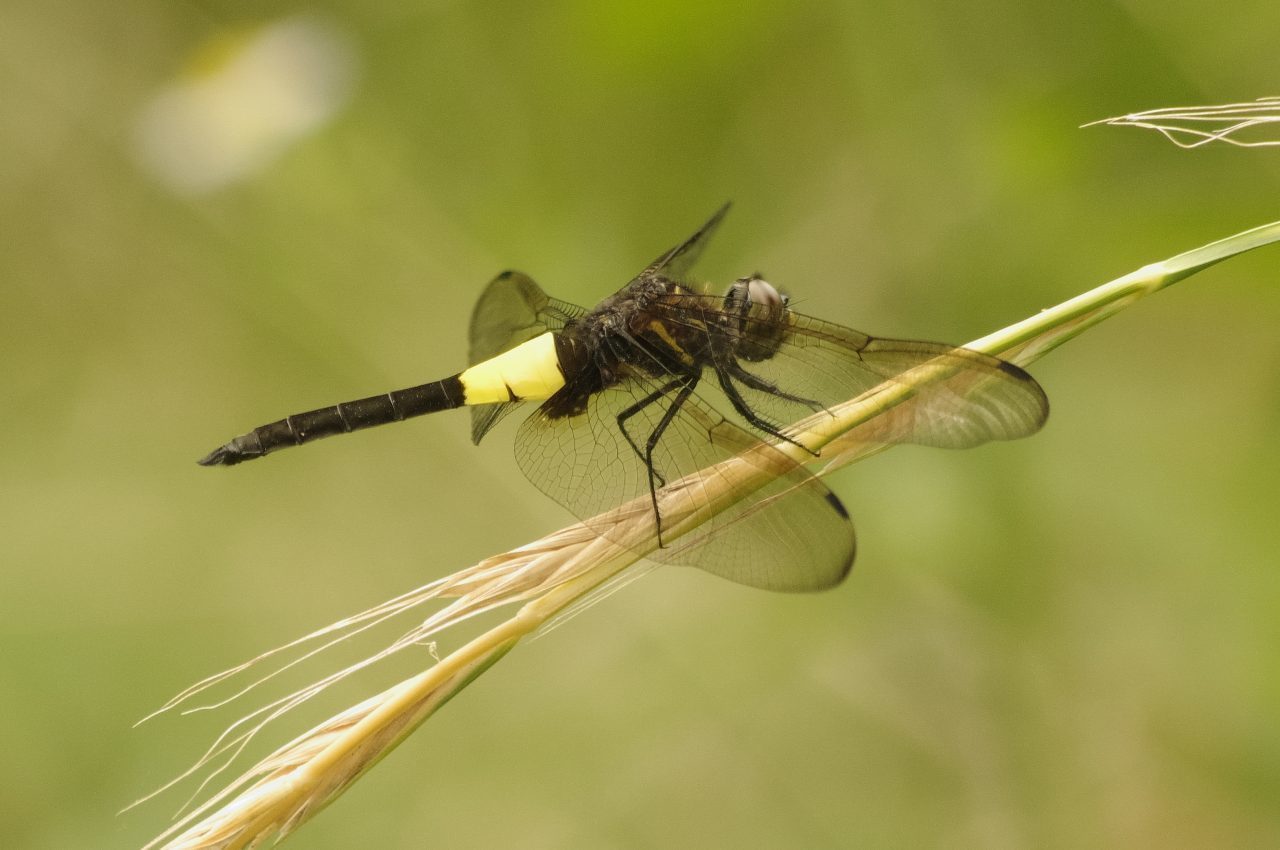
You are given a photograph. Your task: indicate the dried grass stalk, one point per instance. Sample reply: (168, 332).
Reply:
(1245, 125)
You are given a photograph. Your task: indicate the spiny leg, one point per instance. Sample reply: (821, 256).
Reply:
(652, 442)
(744, 410)
(757, 383)
(641, 405)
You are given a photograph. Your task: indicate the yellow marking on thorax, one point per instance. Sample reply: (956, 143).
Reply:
(529, 371)
(660, 330)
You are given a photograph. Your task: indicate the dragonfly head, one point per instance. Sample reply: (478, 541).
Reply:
(761, 312)
(755, 290)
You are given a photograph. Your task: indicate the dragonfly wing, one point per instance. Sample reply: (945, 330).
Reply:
(511, 310)
(819, 364)
(784, 531)
(679, 261)
(982, 399)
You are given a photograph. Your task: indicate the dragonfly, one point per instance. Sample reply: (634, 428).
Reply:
(661, 380)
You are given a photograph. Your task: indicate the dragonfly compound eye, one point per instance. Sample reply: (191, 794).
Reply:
(764, 293)
(753, 292)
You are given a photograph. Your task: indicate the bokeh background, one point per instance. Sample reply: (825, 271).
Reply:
(212, 215)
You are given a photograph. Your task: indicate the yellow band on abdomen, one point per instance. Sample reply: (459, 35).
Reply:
(528, 371)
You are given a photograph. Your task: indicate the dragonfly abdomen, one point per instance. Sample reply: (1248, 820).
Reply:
(531, 370)
(339, 419)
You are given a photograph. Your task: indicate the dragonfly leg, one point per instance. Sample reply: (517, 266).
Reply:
(757, 383)
(744, 409)
(639, 406)
(652, 442)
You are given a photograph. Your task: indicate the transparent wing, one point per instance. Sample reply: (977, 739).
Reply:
(511, 310)
(818, 364)
(790, 534)
(678, 262)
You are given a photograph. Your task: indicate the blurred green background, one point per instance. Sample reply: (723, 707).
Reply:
(1071, 641)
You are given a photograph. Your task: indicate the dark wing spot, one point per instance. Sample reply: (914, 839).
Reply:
(1010, 369)
(835, 502)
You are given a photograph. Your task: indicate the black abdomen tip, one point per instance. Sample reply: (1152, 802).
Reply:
(242, 448)
(227, 455)
(220, 456)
